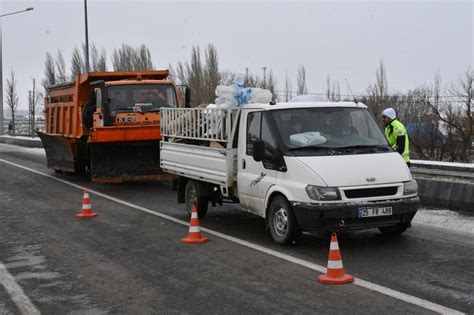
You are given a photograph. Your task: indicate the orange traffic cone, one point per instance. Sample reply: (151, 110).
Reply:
(194, 235)
(86, 207)
(335, 272)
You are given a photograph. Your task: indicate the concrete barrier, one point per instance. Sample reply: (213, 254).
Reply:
(446, 194)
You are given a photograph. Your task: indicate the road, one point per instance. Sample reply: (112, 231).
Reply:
(129, 259)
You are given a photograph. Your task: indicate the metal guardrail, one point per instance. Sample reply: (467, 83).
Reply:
(23, 128)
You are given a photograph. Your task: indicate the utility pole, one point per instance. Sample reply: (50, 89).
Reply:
(87, 37)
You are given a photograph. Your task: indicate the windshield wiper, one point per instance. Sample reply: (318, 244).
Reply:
(312, 147)
(365, 148)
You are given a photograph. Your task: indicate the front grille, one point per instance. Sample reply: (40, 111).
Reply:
(370, 192)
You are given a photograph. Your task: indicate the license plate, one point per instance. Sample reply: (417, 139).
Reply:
(374, 212)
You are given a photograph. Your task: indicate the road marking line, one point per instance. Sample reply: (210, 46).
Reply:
(362, 283)
(24, 304)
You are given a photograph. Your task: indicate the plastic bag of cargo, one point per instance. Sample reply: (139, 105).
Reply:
(307, 139)
(258, 95)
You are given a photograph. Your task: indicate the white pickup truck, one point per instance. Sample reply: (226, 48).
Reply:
(301, 166)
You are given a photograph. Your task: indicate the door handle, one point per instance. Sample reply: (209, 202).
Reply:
(243, 164)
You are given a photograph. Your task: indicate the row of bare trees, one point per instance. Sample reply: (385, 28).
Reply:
(439, 117)
(124, 58)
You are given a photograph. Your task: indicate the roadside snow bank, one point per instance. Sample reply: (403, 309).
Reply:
(446, 219)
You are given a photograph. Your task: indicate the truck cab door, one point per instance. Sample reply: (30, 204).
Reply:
(254, 179)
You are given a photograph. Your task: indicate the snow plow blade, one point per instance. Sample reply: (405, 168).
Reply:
(118, 162)
(59, 155)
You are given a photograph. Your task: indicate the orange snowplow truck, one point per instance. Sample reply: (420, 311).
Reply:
(109, 124)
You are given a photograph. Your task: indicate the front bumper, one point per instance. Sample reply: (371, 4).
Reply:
(344, 216)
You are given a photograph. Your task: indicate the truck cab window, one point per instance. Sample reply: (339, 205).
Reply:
(259, 129)
(254, 122)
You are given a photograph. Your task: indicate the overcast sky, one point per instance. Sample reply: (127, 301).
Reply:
(343, 39)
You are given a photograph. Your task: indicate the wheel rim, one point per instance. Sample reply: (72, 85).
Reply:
(280, 222)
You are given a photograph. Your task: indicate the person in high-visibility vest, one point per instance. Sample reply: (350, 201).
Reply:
(396, 134)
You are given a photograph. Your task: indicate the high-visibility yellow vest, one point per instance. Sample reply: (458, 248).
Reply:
(394, 129)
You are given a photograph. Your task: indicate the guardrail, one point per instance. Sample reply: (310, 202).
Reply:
(23, 128)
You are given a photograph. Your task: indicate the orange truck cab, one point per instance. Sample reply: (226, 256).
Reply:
(108, 123)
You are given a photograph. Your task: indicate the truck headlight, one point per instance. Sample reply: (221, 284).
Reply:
(322, 193)
(410, 188)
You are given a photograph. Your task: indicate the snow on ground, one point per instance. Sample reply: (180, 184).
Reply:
(461, 222)
(11, 147)
(22, 137)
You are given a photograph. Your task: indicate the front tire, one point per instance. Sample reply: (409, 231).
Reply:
(282, 222)
(193, 195)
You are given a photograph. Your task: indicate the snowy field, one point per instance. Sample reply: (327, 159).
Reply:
(444, 218)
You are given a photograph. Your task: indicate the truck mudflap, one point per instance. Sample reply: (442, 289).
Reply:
(118, 162)
(338, 217)
(59, 154)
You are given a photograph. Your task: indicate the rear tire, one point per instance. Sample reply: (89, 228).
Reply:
(282, 222)
(393, 230)
(193, 195)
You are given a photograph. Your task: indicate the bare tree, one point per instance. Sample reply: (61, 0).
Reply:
(288, 93)
(333, 92)
(377, 97)
(123, 58)
(34, 98)
(227, 77)
(271, 84)
(381, 88)
(143, 59)
(60, 68)
(463, 94)
(77, 63)
(456, 114)
(301, 81)
(49, 72)
(212, 76)
(127, 58)
(98, 59)
(12, 99)
(251, 80)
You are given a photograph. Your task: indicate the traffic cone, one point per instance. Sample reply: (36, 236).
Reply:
(86, 207)
(194, 235)
(335, 271)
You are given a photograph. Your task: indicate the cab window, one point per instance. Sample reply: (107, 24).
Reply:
(258, 128)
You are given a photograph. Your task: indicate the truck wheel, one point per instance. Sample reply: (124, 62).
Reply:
(192, 196)
(396, 229)
(283, 226)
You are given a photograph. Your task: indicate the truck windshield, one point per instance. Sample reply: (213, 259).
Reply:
(141, 97)
(329, 130)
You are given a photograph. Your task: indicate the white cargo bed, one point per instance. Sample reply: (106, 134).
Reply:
(180, 126)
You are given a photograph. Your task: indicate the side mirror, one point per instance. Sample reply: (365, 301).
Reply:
(187, 98)
(258, 150)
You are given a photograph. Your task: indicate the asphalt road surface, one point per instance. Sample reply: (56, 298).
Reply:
(129, 259)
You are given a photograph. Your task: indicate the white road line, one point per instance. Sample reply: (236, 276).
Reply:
(24, 304)
(362, 283)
